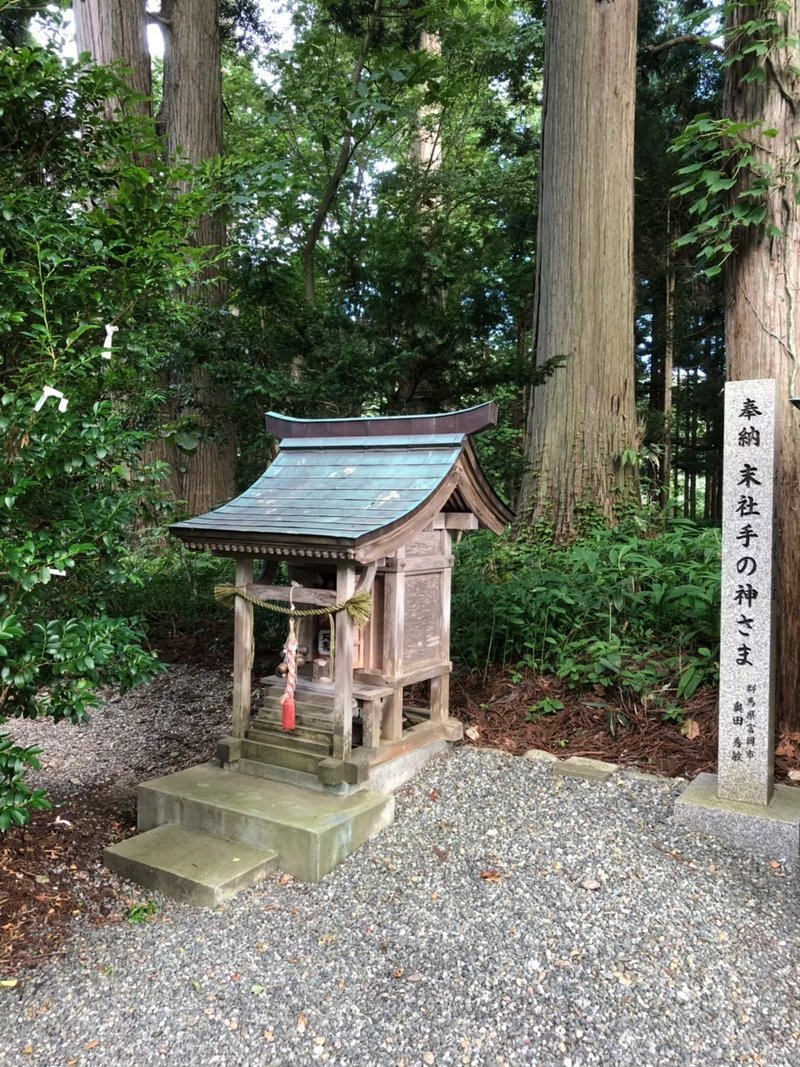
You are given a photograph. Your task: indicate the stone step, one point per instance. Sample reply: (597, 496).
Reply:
(282, 755)
(271, 720)
(312, 741)
(279, 774)
(311, 831)
(188, 865)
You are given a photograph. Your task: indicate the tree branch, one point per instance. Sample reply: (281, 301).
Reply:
(685, 38)
(348, 146)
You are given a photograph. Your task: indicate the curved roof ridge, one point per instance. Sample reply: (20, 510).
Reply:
(467, 421)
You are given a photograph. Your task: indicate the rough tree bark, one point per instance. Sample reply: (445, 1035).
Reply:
(408, 395)
(582, 419)
(762, 296)
(112, 30)
(426, 148)
(190, 120)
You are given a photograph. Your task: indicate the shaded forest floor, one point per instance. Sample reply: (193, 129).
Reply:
(51, 873)
(613, 726)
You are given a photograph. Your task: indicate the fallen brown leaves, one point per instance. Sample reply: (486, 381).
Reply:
(51, 873)
(494, 710)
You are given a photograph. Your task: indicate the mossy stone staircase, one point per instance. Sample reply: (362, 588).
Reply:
(206, 832)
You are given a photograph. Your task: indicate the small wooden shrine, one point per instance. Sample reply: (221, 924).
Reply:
(362, 505)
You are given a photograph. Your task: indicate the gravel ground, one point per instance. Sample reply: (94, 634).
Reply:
(506, 917)
(172, 722)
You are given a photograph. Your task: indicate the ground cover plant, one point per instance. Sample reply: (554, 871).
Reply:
(633, 609)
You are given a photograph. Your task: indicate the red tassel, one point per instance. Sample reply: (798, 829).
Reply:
(288, 713)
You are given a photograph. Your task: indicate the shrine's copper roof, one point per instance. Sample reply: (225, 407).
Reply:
(354, 488)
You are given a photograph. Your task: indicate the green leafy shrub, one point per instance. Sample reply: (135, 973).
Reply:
(614, 608)
(545, 706)
(174, 595)
(88, 237)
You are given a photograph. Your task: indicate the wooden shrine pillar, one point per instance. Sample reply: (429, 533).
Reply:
(343, 665)
(242, 649)
(440, 686)
(393, 629)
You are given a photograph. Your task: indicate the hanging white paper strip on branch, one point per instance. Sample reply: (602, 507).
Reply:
(110, 331)
(47, 392)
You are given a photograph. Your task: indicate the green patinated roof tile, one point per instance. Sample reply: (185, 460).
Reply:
(342, 487)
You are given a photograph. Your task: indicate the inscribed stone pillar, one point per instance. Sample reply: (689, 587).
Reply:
(747, 646)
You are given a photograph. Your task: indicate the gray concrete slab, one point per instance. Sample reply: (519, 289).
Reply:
(311, 831)
(187, 865)
(771, 830)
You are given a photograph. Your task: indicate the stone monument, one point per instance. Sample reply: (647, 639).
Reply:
(741, 802)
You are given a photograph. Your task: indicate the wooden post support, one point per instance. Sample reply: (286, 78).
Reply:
(393, 630)
(371, 723)
(440, 686)
(242, 649)
(343, 668)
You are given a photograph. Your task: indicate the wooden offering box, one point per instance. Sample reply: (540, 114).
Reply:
(347, 505)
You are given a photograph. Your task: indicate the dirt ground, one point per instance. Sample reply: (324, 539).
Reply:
(51, 872)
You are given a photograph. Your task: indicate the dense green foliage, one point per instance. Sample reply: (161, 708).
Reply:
(631, 608)
(88, 238)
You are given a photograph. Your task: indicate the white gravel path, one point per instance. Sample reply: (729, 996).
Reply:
(507, 917)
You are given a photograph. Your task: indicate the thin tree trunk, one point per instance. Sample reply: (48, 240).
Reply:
(693, 445)
(761, 300)
(340, 168)
(112, 30)
(669, 359)
(427, 145)
(582, 420)
(657, 332)
(687, 447)
(676, 438)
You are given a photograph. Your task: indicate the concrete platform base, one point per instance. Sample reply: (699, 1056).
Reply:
(772, 831)
(390, 776)
(311, 831)
(187, 865)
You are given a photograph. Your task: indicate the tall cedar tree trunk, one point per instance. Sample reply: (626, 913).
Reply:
(190, 120)
(112, 30)
(581, 419)
(407, 398)
(761, 303)
(191, 123)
